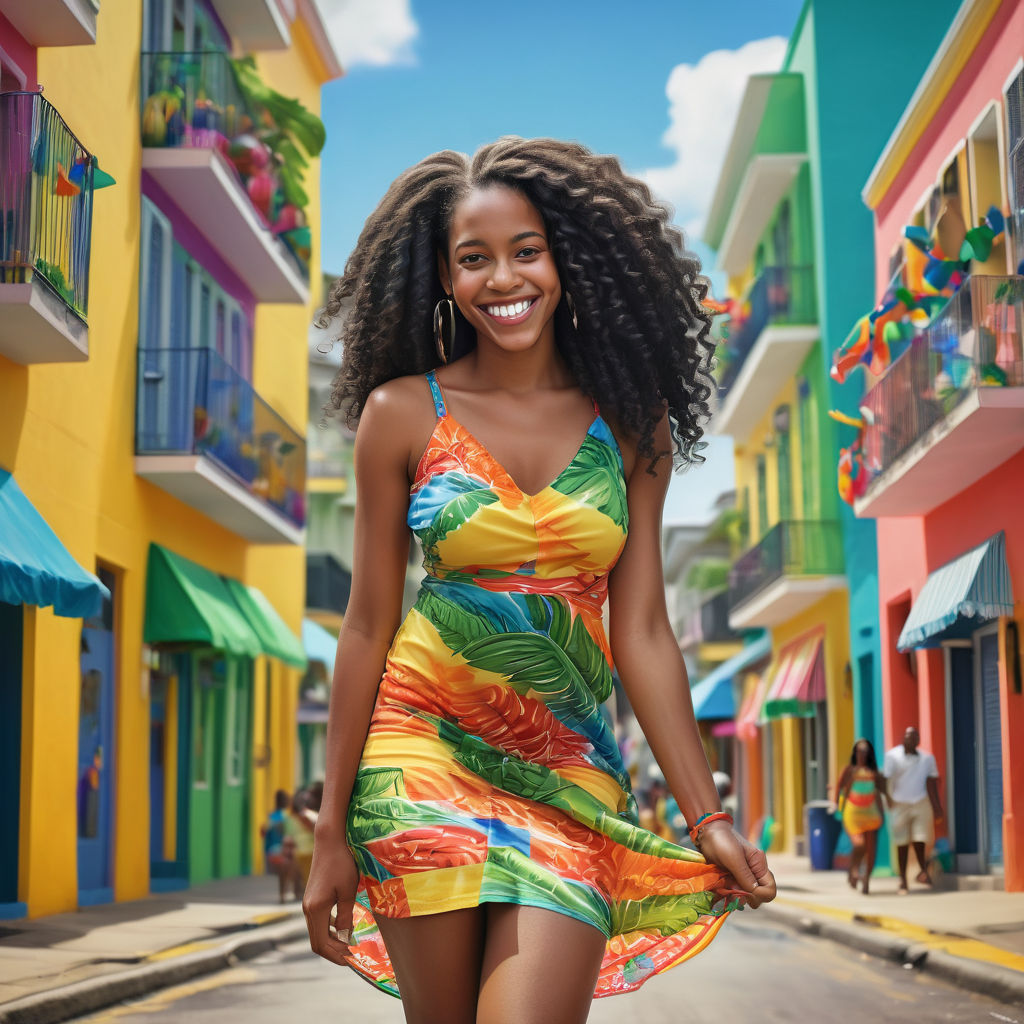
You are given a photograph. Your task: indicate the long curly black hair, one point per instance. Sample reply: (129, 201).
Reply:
(642, 343)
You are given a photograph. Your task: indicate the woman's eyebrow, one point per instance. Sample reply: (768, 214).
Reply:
(514, 239)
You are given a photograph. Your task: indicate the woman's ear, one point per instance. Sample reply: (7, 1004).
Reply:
(444, 273)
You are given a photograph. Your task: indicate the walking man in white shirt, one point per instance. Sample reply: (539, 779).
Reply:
(912, 783)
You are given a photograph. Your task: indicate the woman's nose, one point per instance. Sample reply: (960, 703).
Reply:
(504, 277)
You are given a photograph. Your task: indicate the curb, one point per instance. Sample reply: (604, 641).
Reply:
(81, 997)
(992, 980)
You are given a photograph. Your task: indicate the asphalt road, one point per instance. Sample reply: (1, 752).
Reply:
(753, 973)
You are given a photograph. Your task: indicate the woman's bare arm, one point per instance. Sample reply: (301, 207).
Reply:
(654, 676)
(380, 553)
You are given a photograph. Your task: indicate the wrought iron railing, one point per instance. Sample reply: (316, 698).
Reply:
(975, 342)
(714, 620)
(191, 401)
(46, 191)
(328, 583)
(193, 101)
(780, 295)
(790, 548)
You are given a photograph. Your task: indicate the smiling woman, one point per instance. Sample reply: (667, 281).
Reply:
(479, 841)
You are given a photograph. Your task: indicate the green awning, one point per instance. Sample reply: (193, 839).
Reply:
(276, 639)
(188, 603)
(960, 596)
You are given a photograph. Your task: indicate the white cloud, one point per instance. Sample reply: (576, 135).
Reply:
(374, 32)
(703, 101)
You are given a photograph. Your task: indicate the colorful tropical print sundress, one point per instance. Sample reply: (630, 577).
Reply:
(860, 806)
(489, 772)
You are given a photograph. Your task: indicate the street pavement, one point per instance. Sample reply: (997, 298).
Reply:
(754, 972)
(67, 965)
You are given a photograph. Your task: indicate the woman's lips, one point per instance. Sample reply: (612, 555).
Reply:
(518, 319)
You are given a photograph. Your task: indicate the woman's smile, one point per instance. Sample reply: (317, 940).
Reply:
(511, 312)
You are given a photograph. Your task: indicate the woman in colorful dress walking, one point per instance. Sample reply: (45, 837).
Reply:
(860, 792)
(526, 354)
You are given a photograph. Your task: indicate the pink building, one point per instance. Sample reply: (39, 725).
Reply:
(944, 438)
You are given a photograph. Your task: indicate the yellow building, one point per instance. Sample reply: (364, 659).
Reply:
(152, 412)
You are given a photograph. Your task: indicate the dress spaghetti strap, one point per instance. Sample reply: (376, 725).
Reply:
(438, 394)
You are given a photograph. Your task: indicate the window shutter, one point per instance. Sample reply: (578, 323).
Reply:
(1015, 151)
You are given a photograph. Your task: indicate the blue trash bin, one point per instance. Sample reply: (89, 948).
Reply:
(823, 830)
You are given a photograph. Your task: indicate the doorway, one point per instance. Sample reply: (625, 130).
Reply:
(94, 778)
(11, 633)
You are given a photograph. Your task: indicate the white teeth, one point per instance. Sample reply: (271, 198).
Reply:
(516, 309)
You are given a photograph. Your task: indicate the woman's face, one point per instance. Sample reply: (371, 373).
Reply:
(861, 753)
(501, 269)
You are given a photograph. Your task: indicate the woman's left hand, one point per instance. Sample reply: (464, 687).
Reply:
(745, 865)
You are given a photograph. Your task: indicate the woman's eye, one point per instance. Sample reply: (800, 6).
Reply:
(529, 251)
(471, 259)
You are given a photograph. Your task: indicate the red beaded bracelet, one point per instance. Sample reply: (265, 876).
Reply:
(706, 820)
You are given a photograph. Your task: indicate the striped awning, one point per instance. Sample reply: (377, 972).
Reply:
(749, 718)
(799, 680)
(960, 596)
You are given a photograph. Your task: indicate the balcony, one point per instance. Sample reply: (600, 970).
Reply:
(795, 565)
(328, 585)
(766, 349)
(53, 22)
(703, 626)
(951, 408)
(198, 148)
(254, 24)
(205, 436)
(45, 233)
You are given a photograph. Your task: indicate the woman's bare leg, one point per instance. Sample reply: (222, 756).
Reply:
(437, 960)
(856, 854)
(870, 850)
(539, 967)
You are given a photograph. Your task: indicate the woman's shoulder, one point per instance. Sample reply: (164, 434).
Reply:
(399, 395)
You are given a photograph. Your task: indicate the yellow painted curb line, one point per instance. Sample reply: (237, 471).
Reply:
(957, 945)
(193, 947)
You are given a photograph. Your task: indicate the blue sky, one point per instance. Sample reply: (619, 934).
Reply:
(654, 82)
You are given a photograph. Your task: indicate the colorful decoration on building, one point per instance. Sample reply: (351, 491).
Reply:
(928, 279)
(852, 479)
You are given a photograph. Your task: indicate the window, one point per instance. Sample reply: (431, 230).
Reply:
(762, 495)
(783, 462)
(181, 26)
(1015, 159)
(808, 452)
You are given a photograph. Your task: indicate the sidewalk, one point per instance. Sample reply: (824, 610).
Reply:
(52, 968)
(973, 938)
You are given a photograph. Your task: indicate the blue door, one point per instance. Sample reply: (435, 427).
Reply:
(10, 757)
(94, 790)
(963, 731)
(991, 761)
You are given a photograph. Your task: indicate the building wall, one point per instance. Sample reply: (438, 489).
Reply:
(67, 433)
(910, 549)
(979, 83)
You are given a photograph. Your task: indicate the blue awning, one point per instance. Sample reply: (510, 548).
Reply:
(35, 567)
(319, 644)
(713, 696)
(961, 596)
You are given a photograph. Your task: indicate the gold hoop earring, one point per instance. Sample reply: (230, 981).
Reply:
(571, 306)
(439, 341)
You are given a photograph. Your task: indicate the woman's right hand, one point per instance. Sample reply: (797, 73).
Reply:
(333, 881)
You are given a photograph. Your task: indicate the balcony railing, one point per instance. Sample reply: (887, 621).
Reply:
(714, 620)
(328, 583)
(193, 101)
(780, 295)
(192, 402)
(805, 548)
(975, 342)
(45, 200)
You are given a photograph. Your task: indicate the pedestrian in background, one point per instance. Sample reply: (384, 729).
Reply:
(277, 858)
(299, 827)
(859, 795)
(912, 789)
